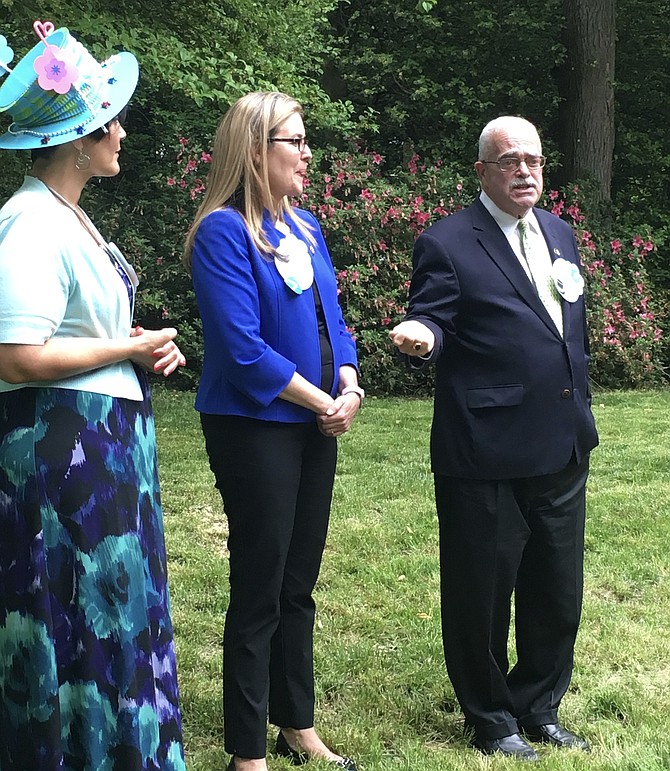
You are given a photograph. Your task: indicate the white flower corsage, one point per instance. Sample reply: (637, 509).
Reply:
(294, 263)
(567, 280)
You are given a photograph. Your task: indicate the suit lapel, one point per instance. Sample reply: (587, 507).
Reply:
(497, 247)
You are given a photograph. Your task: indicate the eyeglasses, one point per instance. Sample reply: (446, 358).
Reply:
(297, 142)
(512, 163)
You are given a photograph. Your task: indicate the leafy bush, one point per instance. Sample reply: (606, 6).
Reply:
(626, 339)
(371, 219)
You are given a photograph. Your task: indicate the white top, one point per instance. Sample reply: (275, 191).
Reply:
(55, 281)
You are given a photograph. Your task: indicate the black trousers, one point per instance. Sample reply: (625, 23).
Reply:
(276, 481)
(497, 538)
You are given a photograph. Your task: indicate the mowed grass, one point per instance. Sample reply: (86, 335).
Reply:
(383, 696)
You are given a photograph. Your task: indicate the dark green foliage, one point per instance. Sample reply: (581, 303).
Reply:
(642, 181)
(433, 79)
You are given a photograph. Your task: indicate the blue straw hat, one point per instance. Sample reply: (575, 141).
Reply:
(59, 92)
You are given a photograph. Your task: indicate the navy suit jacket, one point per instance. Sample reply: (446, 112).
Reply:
(512, 397)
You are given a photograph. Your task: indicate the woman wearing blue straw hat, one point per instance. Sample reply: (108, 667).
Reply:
(87, 660)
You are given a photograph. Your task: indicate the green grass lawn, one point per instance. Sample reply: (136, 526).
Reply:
(383, 696)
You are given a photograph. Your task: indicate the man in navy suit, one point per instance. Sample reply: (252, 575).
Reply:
(496, 301)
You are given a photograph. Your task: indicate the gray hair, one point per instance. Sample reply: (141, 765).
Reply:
(503, 123)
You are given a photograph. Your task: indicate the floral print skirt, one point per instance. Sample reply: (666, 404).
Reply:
(87, 659)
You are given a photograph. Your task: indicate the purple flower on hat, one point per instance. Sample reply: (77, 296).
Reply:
(55, 69)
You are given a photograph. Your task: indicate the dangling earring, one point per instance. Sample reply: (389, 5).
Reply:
(82, 161)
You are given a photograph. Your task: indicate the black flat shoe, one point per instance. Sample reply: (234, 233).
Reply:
(556, 734)
(285, 750)
(513, 746)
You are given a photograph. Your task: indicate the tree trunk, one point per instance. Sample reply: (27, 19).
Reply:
(586, 116)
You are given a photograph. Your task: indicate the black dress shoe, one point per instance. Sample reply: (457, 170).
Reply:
(300, 758)
(513, 746)
(556, 734)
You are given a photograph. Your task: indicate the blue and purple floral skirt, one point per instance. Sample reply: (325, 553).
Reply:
(87, 660)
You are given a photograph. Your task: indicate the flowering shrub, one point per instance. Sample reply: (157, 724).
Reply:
(371, 217)
(191, 168)
(370, 220)
(153, 239)
(626, 339)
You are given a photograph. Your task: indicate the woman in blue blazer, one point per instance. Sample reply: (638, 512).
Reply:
(279, 384)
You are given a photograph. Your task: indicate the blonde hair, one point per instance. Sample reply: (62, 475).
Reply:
(238, 175)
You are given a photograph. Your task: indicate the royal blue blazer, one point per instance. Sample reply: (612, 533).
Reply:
(257, 331)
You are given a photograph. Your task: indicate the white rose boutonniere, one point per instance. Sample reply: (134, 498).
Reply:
(567, 280)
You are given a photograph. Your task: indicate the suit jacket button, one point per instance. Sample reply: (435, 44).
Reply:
(566, 393)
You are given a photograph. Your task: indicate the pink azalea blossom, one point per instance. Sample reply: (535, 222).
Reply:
(55, 70)
(421, 218)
